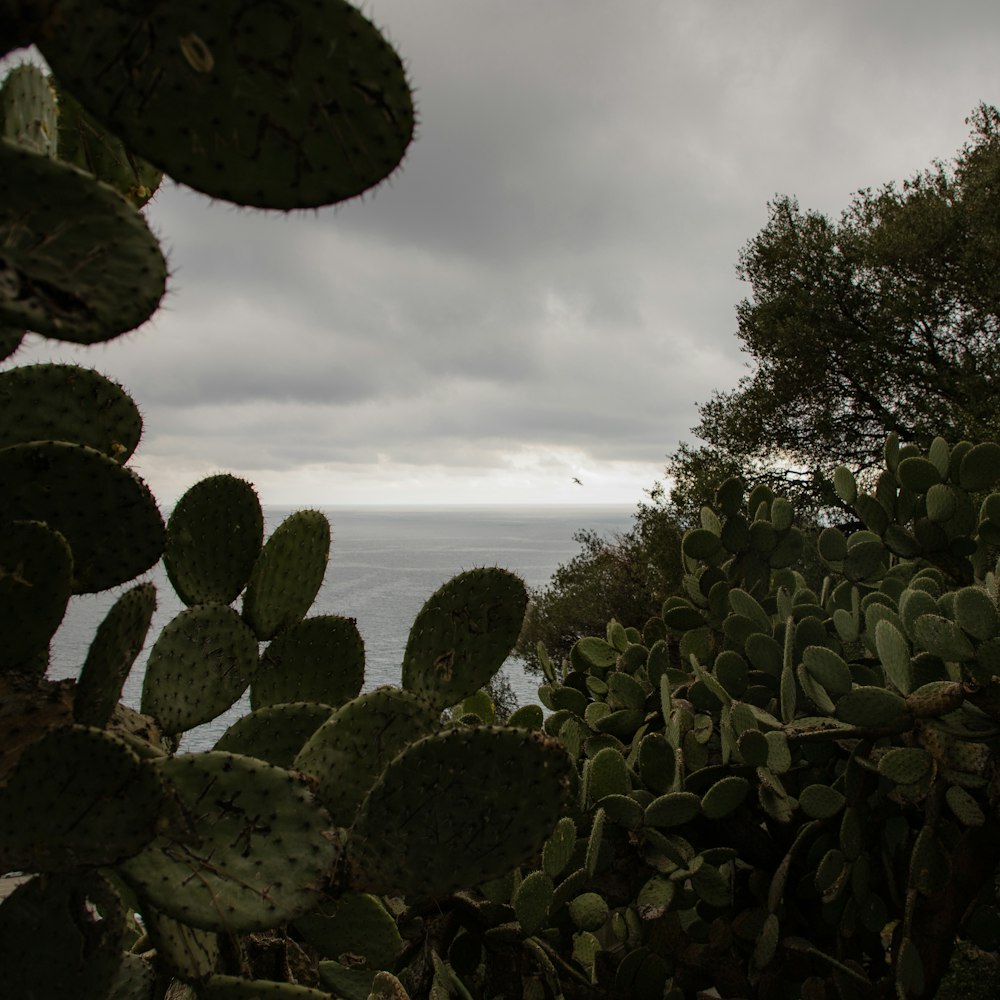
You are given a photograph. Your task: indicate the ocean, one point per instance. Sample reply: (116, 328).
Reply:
(384, 563)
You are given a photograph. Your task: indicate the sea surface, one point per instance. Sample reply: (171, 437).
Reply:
(384, 564)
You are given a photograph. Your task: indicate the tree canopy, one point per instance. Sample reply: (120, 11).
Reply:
(886, 320)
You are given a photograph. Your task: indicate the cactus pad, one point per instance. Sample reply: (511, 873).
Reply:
(287, 574)
(290, 105)
(87, 145)
(354, 923)
(463, 634)
(104, 511)
(349, 751)
(200, 664)
(60, 936)
(62, 805)
(214, 536)
(276, 733)
(111, 655)
(458, 808)
(319, 659)
(255, 847)
(79, 263)
(28, 111)
(36, 573)
(50, 402)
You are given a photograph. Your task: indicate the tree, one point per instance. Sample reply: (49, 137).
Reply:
(887, 320)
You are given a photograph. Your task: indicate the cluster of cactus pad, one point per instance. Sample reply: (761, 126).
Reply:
(295, 858)
(785, 793)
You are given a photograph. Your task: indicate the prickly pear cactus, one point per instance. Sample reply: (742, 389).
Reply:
(153, 874)
(783, 791)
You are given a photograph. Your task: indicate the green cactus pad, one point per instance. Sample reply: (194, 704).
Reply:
(657, 762)
(36, 572)
(354, 923)
(319, 659)
(980, 467)
(192, 955)
(532, 901)
(50, 402)
(254, 847)
(820, 801)
(608, 775)
(975, 613)
(101, 271)
(673, 809)
(588, 911)
(935, 698)
(917, 474)
(287, 574)
(458, 808)
(277, 106)
(84, 143)
(349, 751)
(105, 512)
(725, 796)
(463, 634)
(111, 655)
(134, 980)
(199, 665)
(905, 765)
(60, 936)
(558, 849)
(964, 807)
(28, 110)
(62, 805)
(527, 717)
(872, 707)
(596, 652)
(942, 637)
(828, 668)
(844, 484)
(275, 734)
(894, 653)
(214, 536)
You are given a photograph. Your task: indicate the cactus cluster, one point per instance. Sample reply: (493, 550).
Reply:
(288, 860)
(783, 792)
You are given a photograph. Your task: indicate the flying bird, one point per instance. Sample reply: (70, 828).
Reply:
(577, 481)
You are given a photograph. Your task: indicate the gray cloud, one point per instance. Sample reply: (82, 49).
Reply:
(550, 280)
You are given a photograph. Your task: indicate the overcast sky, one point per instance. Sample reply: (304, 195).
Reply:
(547, 288)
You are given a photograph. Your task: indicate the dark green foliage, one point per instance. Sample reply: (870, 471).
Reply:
(215, 535)
(463, 634)
(51, 402)
(111, 655)
(217, 851)
(320, 659)
(104, 511)
(813, 772)
(101, 272)
(77, 797)
(199, 665)
(36, 577)
(287, 574)
(290, 105)
(60, 935)
(441, 816)
(900, 277)
(249, 848)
